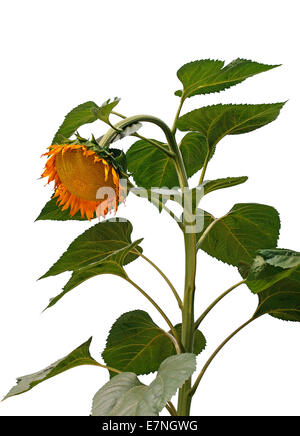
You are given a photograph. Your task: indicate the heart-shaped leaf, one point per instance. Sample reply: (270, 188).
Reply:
(135, 343)
(237, 236)
(136, 399)
(152, 168)
(281, 257)
(215, 122)
(134, 402)
(207, 75)
(271, 266)
(171, 375)
(280, 303)
(275, 277)
(106, 398)
(194, 149)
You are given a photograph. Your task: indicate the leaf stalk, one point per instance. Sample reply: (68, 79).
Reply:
(215, 302)
(200, 376)
(179, 346)
(178, 299)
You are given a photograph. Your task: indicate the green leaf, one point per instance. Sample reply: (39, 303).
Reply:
(103, 112)
(206, 76)
(280, 303)
(215, 122)
(213, 185)
(281, 257)
(236, 237)
(171, 375)
(134, 402)
(199, 340)
(136, 344)
(80, 356)
(52, 211)
(275, 277)
(150, 400)
(78, 116)
(104, 241)
(114, 265)
(271, 267)
(194, 150)
(152, 168)
(106, 398)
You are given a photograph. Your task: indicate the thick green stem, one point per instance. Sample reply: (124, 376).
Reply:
(188, 302)
(187, 338)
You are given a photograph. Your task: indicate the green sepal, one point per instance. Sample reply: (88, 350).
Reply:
(113, 156)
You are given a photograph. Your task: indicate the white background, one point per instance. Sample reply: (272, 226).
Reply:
(57, 54)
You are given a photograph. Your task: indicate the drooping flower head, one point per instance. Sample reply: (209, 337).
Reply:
(86, 178)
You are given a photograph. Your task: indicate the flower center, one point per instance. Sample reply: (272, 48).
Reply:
(81, 176)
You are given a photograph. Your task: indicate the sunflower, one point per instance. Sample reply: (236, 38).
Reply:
(83, 179)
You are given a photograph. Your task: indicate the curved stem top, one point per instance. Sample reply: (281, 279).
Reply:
(181, 171)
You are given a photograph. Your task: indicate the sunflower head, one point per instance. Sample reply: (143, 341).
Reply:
(86, 177)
